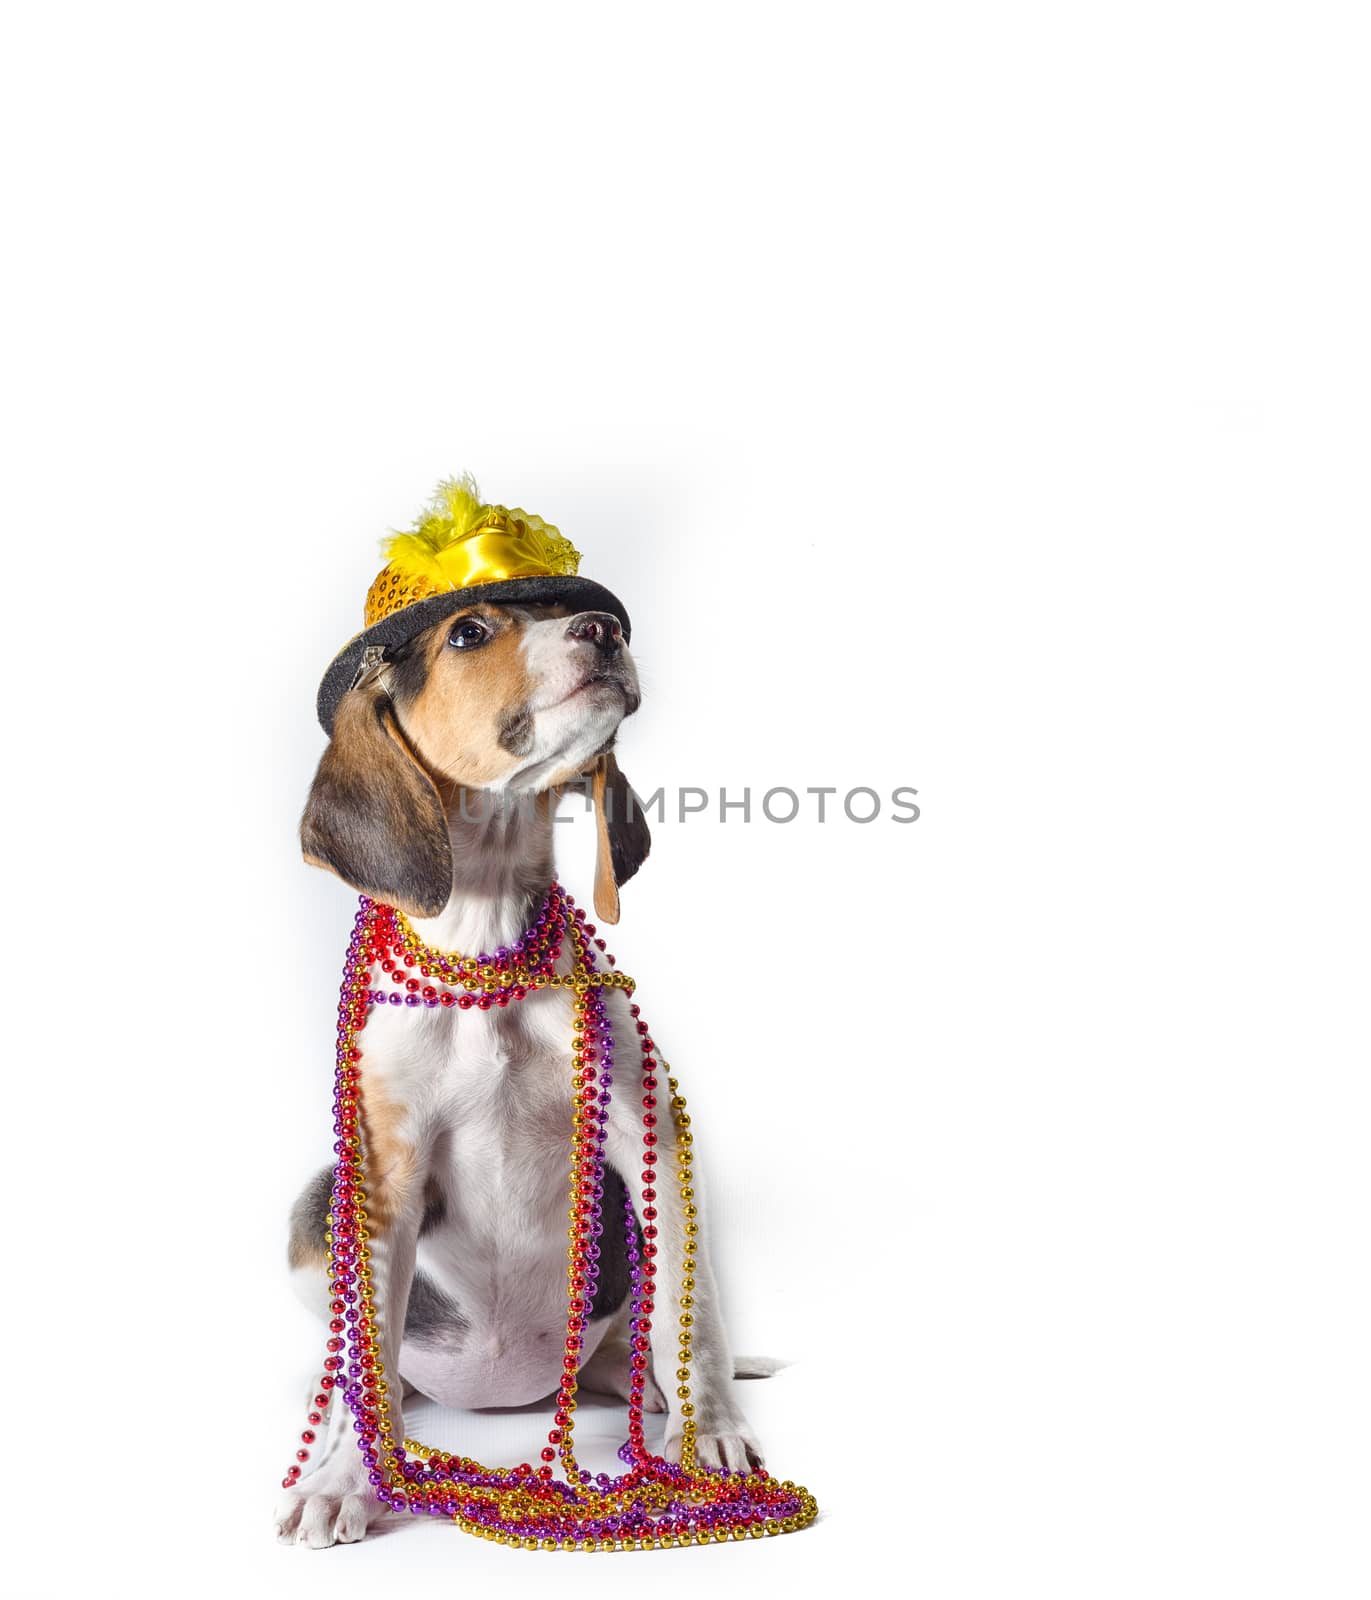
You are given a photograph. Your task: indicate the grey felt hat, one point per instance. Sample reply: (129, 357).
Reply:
(461, 551)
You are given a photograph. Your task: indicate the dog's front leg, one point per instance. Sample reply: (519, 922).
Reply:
(686, 1300)
(336, 1504)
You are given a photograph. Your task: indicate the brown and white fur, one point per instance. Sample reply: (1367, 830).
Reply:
(437, 794)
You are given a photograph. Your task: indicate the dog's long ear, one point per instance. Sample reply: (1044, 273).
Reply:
(373, 816)
(622, 837)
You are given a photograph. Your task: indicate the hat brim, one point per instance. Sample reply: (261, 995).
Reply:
(583, 594)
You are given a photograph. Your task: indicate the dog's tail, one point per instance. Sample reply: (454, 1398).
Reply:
(757, 1366)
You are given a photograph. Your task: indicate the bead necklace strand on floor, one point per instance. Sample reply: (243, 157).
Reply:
(655, 1504)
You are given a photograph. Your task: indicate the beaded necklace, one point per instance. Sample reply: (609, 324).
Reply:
(654, 1504)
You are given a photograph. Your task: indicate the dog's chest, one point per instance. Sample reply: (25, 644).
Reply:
(500, 1123)
(489, 1106)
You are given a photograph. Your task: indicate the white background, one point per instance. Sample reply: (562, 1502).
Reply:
(972, 397)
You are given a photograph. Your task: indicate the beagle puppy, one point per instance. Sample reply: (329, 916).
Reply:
(437, 795)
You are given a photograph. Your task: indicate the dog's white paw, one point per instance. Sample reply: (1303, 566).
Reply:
(653, 1398)
(757, 1366)
(607, 1373)
(326, 1509)
(611, 1383)
(729, 1445)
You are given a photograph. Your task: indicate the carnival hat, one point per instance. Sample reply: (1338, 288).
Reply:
(459, 553)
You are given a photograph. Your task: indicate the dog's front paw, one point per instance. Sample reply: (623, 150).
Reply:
(330, 1507)
(726, 1443)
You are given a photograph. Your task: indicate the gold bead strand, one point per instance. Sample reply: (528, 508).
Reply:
(689, 1230)
(579, 1144)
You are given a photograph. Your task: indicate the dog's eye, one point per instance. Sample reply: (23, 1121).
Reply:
(468, 634)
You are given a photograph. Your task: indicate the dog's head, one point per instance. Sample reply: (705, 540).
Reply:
(518, 700)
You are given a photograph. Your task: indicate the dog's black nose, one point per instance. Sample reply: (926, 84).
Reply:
(599, 627)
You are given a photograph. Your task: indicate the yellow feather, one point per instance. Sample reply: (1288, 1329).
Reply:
(453, 512)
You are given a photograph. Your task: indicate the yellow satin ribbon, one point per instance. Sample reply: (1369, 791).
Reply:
(490, 555)
(505, 544)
